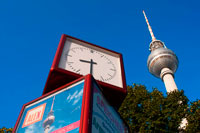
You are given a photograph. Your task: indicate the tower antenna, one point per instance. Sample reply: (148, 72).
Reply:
(52, 103)
(149, 27)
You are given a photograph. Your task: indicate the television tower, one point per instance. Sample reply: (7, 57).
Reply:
(50, 119)
(162, 62)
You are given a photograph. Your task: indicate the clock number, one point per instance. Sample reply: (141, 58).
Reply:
(112, 69)
(92, 51)
(109, 75)
(67, 55)
(73, 50)
(102, 78)
(70, 62)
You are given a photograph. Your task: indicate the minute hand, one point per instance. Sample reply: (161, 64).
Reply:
(88, 61)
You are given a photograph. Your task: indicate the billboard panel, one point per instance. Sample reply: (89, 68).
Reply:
(105, 119)
(55, 113)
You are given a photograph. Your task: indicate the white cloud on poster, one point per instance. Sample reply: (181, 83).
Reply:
(78, 107)
(61, 121)
(51, 128)
(70, 97)
(30, 129)
(76, 96)
(75, 101)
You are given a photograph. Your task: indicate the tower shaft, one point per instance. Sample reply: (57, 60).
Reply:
(46, 130)
(50, 119)
(168, 79)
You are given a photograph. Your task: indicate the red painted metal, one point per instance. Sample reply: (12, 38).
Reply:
(83, 110)
(58, 77)
(87, 110)
(18, 119)
(59, 51)
(123, 72)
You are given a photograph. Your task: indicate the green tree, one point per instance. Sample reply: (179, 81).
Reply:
(194, 117)
(6, 130)
(146, 111)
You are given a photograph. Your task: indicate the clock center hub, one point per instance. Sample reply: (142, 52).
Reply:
(91, 64)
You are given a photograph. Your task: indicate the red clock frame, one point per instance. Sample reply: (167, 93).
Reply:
(58, 76)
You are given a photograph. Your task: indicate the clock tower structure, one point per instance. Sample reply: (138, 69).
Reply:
(89, 84)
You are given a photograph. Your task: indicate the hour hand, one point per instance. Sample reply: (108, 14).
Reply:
(91, 61)
(85, 61)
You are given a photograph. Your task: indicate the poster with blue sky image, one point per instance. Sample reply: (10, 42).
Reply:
(66, 110)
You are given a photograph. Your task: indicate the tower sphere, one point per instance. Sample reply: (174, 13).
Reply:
(49, 120)
(160, 58)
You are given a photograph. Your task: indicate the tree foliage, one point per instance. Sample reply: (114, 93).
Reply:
(146, 111)
(6, 130)
(194, 117)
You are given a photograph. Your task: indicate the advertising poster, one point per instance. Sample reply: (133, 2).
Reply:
(57, 113)
(105, 119)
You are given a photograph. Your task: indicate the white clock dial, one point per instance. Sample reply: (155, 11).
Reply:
(84, 59)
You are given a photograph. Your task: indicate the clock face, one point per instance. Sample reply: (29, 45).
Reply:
(82, 58)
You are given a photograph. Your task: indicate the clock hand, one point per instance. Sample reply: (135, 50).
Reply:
(91, 64)
(91, 61)
(84, 61)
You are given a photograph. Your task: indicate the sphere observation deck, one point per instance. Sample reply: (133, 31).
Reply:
(161, 57)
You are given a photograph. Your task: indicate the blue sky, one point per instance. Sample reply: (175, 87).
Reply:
(30, 32)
